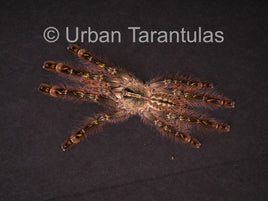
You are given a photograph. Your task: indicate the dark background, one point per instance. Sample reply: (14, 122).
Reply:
(130, 160)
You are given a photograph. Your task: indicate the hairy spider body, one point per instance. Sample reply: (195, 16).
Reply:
(135, 97)
(168, 104)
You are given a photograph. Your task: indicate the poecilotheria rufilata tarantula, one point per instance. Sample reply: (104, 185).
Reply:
(169, 104)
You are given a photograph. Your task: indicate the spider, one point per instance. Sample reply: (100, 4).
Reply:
(170, 104)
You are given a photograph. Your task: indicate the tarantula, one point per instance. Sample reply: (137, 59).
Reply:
(169, 104)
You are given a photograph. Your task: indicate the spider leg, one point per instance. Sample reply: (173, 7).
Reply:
(92, 126)
(81, 75)
(180, 81)
(169, 129)
(186, 118)
(197, 98)
(108, 82)
(100, 65)
(103, 98)
(87, 56)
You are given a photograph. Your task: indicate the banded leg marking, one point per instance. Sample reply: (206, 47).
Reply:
(181, 82)
(207, 123)
(171, 130)
(73, 93)
(91, 127)
(68, 70)
(85, 55)
(209, 99)
(199, 97)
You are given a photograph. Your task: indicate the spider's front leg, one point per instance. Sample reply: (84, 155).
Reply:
(89, 57)
(98, 64)
(77, 94)
(84, 76)
(93, 125)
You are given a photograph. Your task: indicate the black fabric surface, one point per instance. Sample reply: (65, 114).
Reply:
(130, 160)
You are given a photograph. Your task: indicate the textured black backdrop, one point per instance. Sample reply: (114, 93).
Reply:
(131, 161)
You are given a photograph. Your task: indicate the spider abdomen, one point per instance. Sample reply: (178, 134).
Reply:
(160, 101)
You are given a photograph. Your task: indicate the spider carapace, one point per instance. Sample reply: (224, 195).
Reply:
(170, 104)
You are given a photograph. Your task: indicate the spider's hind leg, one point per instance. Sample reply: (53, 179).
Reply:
(169, 129)
(194, 97)
(189, 117)
(181, 81)
(191, 91)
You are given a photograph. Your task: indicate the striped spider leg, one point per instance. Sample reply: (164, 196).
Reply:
(173, 107)
(167, 104)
